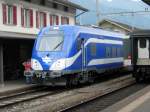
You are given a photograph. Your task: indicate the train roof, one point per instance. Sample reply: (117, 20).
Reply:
(92, 30)
(140, 33)
(98, 31)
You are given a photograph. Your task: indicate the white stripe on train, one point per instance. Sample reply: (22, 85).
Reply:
(105, 61)
(66, 62)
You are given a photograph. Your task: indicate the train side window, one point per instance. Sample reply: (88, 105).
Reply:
(118, 52)
(93, 49)
(108, 52)
(114, 52)
(79, 44)
(142, 43)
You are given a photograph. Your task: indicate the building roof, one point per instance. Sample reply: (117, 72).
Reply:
(121, 25)
(68, 3)
(146, 1)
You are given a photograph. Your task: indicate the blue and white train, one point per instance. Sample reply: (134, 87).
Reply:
(75, 54)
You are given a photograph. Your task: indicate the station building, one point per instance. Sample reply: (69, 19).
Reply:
(20, 22)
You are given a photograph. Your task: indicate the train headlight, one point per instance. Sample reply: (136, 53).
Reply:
(58, 65)
(35, 64)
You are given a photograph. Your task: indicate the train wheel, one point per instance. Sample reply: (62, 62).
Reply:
(75, 81)
(91, 78)
(72, 81)
(138, 77)
(68, 82)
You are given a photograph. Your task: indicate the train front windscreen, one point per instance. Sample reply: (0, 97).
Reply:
(51, 41)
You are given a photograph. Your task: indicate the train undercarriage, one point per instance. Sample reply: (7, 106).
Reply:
(141, 73)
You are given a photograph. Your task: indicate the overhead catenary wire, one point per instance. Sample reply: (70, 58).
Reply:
(142, 12)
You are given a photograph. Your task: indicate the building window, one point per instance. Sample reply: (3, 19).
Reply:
(64, 20)
(42, 2)
(9, 14)
(65, 9)
(54, 20)
(55, 5)
(27, 0)
(41, 19)
(93, 49)
(26, 17)
(108, 52)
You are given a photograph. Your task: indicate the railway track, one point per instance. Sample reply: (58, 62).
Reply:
(101, 103)
(67, 100)
(28, 95)
(62, 99)
(81, 106)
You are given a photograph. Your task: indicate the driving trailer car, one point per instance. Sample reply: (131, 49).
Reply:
(75, 54)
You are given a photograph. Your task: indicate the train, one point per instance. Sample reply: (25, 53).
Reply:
(75, 54)
(140, 45)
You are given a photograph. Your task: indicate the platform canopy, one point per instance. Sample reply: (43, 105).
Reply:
(12, 35)
(146, 1)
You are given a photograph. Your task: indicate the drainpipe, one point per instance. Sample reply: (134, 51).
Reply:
(1, 66)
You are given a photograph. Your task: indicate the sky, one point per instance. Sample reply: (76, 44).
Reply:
(107, 7)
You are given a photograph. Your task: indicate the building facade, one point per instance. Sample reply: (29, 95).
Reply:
(20, 22)
(28, 16)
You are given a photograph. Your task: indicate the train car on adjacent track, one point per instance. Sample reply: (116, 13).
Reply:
(75, 54)
(140, 41)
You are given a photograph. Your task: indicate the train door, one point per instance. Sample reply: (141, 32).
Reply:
(84, 73)
(143, 48)
(84, 56)
(80, 46)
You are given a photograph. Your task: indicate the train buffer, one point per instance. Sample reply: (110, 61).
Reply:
(137, 102)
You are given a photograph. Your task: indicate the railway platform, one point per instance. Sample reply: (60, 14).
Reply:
(15, 86)
(138, 102)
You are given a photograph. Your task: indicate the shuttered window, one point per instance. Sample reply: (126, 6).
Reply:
(14, 15)
(37, 19)
(9, 14)
(64, 20)
(54, 20)
(27, 17)
(41, 20)
(31, 18)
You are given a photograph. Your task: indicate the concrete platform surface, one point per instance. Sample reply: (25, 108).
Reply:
(138, 102)
(10, 87)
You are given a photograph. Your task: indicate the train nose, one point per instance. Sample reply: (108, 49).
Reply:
(47, 59)
(58, 65)
(36, 65)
